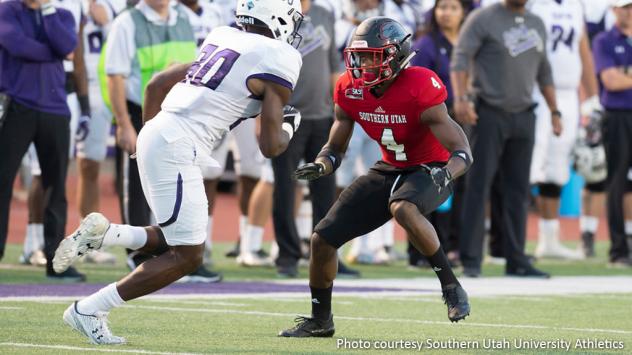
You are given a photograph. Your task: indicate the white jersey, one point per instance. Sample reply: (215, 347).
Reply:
(214, 97)
(75, 8)
(208, 16)
(597, 11)
(94, 35)
(564, 21)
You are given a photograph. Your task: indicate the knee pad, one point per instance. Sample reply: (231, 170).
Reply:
(596, 187)
(550, 190)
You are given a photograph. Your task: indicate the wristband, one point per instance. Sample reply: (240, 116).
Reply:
(333, 157)
(84, 105)
(288, 128)
(556, 113)
(48, 9)
(463, 155)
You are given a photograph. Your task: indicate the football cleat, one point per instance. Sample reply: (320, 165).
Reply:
(588, 244)
(94, 327)
(310, 327)
(455, 298)
(100, 257)
(253, 259)
(89, 236)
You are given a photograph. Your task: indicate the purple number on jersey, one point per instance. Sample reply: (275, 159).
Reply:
(197, 72)
(557, 33)
(95, 41)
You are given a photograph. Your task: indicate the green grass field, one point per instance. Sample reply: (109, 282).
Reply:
(249, 323)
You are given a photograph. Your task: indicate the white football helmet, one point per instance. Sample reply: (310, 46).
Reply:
(590, 162)
(282, 17)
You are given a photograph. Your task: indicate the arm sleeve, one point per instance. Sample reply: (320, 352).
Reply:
(545, 74)
(602, 55)
(432, 90)
(470, 40)
(120, 48)
(61, 32)
(13, 39)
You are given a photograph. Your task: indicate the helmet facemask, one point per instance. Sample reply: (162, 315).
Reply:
(368, 67)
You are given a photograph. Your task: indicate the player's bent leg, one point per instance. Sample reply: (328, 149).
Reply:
(323, 267)
(424, 237)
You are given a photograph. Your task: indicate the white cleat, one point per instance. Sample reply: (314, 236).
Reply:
(94, 327)
(555, 250)
(89, 236)
(100, 257)
(252, 259)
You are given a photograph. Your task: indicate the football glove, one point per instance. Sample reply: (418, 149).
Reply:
(310, 171)
(441, 177)
(291, 120)
(83, 128)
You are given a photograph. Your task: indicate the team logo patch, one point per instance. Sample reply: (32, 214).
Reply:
(354, 93)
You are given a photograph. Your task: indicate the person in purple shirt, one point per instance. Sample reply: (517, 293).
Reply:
(434, 49)
(35, 38)
(612, 51)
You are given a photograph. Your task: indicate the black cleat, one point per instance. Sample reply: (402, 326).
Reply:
(234, 252)
(458, 307)
(346, 272)
(310, 327)
(69, 275)
(528, 271)
(588, 244)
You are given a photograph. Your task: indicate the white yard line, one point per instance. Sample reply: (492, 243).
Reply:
(393, 320)
(10, 308)
(100, 349)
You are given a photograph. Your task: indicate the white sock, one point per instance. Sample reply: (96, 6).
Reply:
(255, 237)
(388, 234)
(124, 235)
(243, 221)
(208, 245)
(39, 236)
(549, 228)
(101, 301)
(29, 240)
(588, 224)
(244, 243)
(488, 224)
(628, 227)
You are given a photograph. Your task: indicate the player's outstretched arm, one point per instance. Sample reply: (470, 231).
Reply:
(451, 136)
(329, 158)
(273, 139)
(159, 86)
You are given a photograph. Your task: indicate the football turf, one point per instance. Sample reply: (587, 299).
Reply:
(248, 323)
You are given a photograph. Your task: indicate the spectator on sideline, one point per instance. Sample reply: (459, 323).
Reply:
(35, 38)
(613, 62)
(434, 50)
(505, 44)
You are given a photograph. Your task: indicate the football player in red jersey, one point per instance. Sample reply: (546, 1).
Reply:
(423, 150)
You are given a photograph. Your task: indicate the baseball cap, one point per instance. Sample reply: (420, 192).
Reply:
(621, 3)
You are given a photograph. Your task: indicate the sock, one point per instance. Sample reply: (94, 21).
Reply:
(39, 236)
(549, 228)
(321, 302)
(303, 220)
(244, 243)
(208, 245)
(388, 234)
(243, 221)
(441, 267)
(255, 237)
(125, 235)
(628, 227)
(29, 240)
(101, 301)
(488, 225)
(588, 224)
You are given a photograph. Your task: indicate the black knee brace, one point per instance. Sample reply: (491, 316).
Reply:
(596, 187)
(550, 190)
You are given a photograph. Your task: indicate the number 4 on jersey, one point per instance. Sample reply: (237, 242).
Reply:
(435, 83)
(388, 140)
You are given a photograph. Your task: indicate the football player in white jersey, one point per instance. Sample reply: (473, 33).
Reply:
(238, 75)
(571, 62)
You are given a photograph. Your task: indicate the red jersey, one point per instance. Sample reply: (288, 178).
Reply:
(394, 119)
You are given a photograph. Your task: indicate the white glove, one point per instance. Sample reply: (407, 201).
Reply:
(291, 120)
(590, 105)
